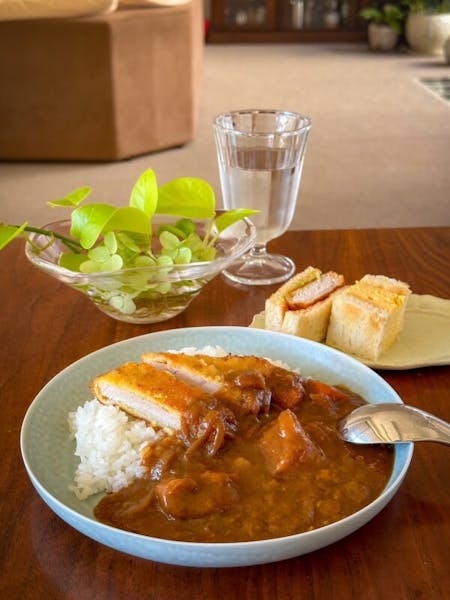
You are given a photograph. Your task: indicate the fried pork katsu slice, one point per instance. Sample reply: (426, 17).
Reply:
(198, 370)
(147, 393)
(249, 381)
(165, 401)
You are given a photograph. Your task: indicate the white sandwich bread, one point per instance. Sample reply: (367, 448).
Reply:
(367, 317)
(302, 305)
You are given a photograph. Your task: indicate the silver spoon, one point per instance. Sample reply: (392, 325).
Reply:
(390, 423)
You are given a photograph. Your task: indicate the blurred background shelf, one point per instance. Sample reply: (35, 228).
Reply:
(275, 21)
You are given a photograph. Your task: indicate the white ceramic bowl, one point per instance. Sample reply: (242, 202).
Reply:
(50, 462)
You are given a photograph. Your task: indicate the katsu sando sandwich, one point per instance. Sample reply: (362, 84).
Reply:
(302, 305)
(367, 317)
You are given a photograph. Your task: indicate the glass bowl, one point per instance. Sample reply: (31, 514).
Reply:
(143, 294)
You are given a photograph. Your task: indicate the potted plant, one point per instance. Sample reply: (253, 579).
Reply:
(385, 25)
(143, 262)
(427, 25)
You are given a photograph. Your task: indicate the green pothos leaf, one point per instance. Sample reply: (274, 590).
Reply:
(232, 216)
(91, 220)
(8, 233)
(144, 194)
(73, 199)
(187, 197)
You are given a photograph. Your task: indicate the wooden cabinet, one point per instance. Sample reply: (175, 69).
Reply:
(285, 21)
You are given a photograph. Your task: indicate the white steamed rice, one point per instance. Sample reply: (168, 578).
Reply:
(109, 445)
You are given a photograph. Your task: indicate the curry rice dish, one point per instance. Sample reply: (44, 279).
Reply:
(251, 451)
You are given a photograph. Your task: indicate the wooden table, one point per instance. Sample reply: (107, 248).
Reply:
(403, 553)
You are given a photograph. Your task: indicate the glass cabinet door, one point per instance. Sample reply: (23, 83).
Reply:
(286, 21)
(318, 14)
(240, 14)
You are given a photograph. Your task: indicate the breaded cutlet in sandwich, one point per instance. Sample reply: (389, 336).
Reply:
(302, 305)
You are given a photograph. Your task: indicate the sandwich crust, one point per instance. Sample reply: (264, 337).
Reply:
(302, 306)
(311, 322)
(276, 304)
(367, 317)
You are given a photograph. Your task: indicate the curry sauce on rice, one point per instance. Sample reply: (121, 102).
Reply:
(222, 449)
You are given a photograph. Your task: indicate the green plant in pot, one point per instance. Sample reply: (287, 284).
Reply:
(427, 27)
(385, 25)
(143, 262)
(428, 6)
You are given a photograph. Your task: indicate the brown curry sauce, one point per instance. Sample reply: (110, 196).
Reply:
(274, 468)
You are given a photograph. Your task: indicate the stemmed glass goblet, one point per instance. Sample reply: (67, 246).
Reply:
(260, 155)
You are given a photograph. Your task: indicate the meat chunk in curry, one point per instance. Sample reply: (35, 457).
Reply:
(196, 495)
(286, 445)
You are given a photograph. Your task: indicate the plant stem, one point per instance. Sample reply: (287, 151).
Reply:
(206, 241)
(70, 243)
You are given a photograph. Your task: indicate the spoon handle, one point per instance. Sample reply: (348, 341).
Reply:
(442, 428)
(392, 423)
(418, 425)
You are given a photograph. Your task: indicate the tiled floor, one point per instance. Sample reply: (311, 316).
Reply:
(439, 86)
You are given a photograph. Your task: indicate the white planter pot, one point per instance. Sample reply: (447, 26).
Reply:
(447, 50)
(427, 33)
(381, 37)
